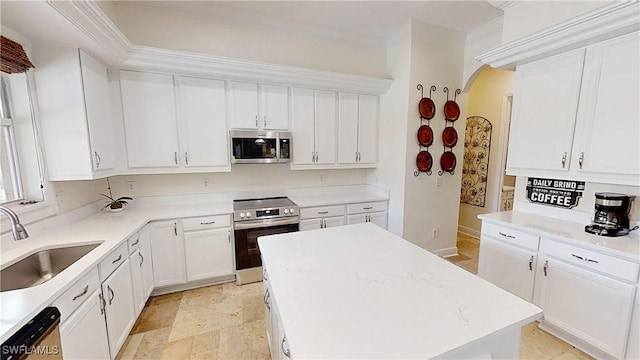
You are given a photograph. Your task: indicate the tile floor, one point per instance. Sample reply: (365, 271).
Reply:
(227, 322)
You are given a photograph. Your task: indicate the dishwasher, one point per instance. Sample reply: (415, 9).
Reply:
(39, 339)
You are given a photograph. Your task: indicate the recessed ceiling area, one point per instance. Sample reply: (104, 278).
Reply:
(367, 23)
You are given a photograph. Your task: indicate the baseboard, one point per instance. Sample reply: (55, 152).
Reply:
(192, 285)
(446, 252)
(469, 231)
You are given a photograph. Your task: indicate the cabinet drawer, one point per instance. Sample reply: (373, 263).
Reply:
(367, 207)
(206, 222)
(515, 237)
(112, 261)
(620, 268)
(324, 211)
(134, 243)
(68, 302)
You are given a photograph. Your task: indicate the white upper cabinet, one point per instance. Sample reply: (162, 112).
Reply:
(148, 106)
(174, 124)
(544, 112)
(202, 116)
(607, 135)
(314, 119)
(262, 107)
(303, 126)
(75, 110)
(358, 129)
(576, 114)
(326, 113)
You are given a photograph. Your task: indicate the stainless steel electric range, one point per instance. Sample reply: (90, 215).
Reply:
(253, 218)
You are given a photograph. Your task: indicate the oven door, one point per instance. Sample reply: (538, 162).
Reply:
(246, 238)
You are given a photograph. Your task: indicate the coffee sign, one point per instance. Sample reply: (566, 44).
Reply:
(554, 192)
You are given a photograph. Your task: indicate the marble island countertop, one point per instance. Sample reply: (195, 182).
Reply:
(627, 247)
(17, 307)
(358, 291)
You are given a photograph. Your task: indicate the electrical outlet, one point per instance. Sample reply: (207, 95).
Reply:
(206, 182)
(438, 180)
(131, 185)
(434, 233)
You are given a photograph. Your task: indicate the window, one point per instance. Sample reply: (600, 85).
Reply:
(10, 183)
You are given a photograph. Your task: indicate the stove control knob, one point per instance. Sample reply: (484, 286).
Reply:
(286, 211)
(248, 214)
(292, 210)
(241, 215)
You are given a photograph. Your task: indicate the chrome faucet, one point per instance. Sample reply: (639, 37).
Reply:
(19, 232)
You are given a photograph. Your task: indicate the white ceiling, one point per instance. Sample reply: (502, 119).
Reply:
(367, 23)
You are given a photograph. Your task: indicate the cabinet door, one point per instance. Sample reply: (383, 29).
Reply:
(275, 107)
(609, 124)
(379, 218)
(310, 224)
(509, 267)
(117, 290)
(590, 306)
(148, 107)
(135, 261)
(208, 254)
(544, 112)
(201, 104)
(348, 129)
(356, 219)
(145, 258)
(167, 248)
(303, 128)
(243, 105)
(326, 114)
(333, 221)
(84, 333)
(95, 83)
(368, 129)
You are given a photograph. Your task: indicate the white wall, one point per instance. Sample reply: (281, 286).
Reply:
(485, 99)
(144, 26)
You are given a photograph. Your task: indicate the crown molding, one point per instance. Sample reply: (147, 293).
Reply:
(89, 18)
(120, 52)
(144, 58)
(606, 22)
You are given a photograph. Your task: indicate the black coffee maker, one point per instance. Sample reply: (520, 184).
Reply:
(611, 217)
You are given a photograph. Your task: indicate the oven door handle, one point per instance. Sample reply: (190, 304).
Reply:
(254, 224)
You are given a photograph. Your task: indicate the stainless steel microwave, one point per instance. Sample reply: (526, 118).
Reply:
(260, 147)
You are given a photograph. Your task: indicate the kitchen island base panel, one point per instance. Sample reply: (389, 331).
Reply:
(503, 344)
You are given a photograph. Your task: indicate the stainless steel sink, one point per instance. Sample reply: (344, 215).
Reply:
(41, 266)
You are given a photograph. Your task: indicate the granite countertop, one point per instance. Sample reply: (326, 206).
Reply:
(112, 229)
(370, 294)
(627, 247)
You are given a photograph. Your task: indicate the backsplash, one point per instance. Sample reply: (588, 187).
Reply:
(583, 212)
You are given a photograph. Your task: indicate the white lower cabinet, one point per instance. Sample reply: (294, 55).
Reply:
(167, 248)
(379, 218)
(209, 254)
(278, 346)
(591, 306)
(321, 223)
(119, 308)
(374, 212)
(84, 333)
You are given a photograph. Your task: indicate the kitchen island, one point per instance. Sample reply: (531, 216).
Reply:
(359, 291)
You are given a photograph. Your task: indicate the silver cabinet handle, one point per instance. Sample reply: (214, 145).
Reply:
(265, 299)
(98, 160)
(141, 259)
(264, 274)
(256, 120)
(367, 208)
(229, 238)
(175, 229)
(113, 295)
(584, 258)
(581, 159)
(136, 243)
(531, 263)
(103, 303)
(207, 223)
(83, 293)
(507, 236)
(175, 157)
(356, 156)
(186, 158)
(118, 259)
(324, 222)
(322, 212)
(313, 156)
(546, 265)
(564, 159)
(265, 121)
(286, 352)
(316, 156)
